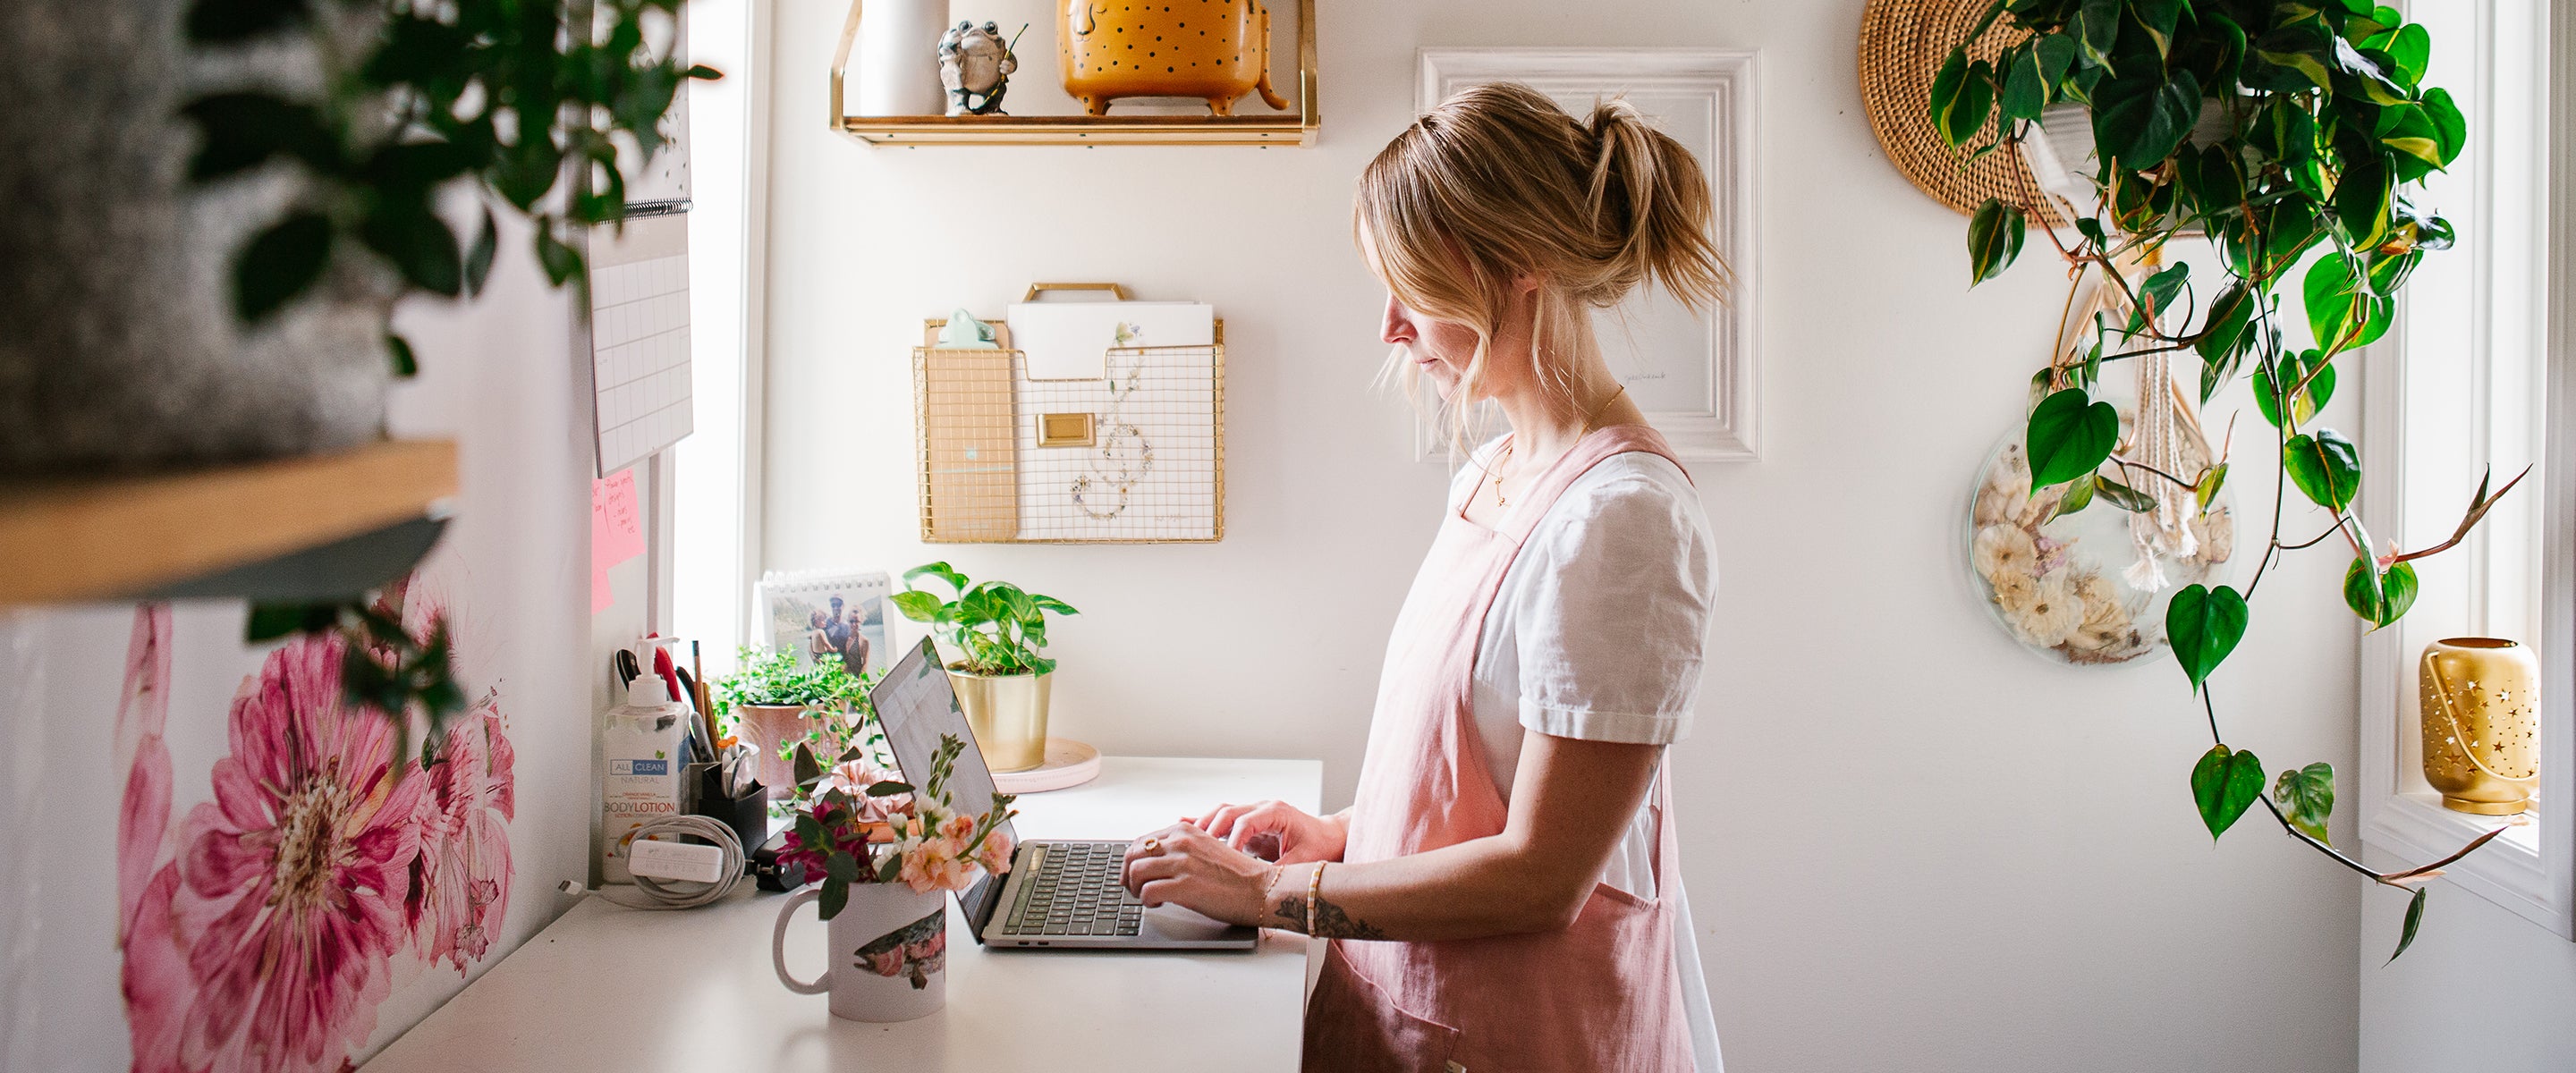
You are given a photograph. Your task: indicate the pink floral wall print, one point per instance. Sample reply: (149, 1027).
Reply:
(262, 933)
(461, 881)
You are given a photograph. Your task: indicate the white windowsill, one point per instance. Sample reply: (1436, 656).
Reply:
(2507, 871)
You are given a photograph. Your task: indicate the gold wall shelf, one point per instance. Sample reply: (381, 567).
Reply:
(99, 538)
(1279, 129)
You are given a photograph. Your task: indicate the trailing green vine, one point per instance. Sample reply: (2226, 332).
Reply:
(2289, 133)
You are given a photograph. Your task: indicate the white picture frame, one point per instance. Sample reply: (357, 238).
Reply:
(790, 601)
(1698, 379)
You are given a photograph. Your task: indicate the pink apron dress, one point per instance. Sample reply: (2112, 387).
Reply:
(1601, 995)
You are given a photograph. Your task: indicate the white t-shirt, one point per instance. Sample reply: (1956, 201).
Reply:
(1597, 633)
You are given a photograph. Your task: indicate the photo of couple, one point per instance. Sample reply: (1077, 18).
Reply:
(836, 616)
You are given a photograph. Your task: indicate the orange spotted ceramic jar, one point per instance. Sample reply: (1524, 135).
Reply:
(1218, 50)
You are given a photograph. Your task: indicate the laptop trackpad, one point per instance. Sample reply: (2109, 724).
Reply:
(1178, 924)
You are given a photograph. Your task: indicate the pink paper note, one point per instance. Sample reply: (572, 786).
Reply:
(601, 593)
(616, 525)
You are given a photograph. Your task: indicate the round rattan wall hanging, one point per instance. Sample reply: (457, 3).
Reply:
(1902, 44)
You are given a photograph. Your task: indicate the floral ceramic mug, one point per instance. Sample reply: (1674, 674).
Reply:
(888, 952)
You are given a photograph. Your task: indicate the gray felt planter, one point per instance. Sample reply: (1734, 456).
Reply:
(118, 347)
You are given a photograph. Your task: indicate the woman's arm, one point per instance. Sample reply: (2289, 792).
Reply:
(1572, 800)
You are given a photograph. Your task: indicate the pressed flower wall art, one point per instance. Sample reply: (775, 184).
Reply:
(262, 930)
(2078, 571)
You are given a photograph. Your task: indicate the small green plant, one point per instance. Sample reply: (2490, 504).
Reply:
(997, 627)
(845, 727)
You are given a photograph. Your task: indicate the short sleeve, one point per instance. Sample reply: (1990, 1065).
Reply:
(1612, 628)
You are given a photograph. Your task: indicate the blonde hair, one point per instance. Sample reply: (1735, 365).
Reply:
(1497, 183)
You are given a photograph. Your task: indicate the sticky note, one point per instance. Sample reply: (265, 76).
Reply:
(616, 524)
(601, 593)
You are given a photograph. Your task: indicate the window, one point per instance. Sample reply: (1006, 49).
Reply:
(2465, 386)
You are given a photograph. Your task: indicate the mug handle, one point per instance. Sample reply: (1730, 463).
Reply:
(778, 946)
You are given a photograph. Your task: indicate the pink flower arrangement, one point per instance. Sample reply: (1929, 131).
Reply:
(932, 845)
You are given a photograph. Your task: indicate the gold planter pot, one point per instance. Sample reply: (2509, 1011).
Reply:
(1009, 715)
(2481, 712)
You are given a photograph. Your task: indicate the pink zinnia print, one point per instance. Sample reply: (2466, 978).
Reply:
(460, 883)
(294, 879)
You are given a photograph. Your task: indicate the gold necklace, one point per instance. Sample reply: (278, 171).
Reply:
(1506, 457)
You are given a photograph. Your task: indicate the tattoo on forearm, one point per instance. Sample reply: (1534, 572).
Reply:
(1331, 921)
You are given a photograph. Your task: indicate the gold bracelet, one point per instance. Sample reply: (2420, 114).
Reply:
(1314, 894)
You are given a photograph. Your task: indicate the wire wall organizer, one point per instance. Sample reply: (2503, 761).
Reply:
(1136, 456)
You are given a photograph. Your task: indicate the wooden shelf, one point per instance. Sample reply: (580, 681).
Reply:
(1285, 128)
(100, 538)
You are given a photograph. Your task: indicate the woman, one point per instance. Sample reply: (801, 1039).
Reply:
(1503, 893)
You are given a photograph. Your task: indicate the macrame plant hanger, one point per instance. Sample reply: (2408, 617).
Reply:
(2164, 431)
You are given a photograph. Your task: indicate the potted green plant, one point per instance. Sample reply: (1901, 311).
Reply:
(776, 703)
(2292, 135)
(995, 630)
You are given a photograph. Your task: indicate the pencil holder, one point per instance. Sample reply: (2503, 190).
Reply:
(747, 814)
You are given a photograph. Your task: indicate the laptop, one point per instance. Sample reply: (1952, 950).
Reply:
(1059, 895)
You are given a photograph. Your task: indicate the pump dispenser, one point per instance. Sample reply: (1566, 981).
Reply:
(642, 749)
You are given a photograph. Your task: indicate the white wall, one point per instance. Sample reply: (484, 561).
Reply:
(2481, 988)
(1911, 845)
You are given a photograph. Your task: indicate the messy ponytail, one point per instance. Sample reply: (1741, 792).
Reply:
(1498, 183)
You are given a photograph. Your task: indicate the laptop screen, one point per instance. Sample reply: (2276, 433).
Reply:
(916, 706)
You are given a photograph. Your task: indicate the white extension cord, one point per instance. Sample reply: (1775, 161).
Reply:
(665, 890)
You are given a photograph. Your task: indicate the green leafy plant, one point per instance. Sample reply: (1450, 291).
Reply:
(2322, 125)
(846, 728)
(415, 94)
(996, 626)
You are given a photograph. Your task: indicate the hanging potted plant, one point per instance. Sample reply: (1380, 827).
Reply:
(777, 703)
(229, 197)
(2292, 136)
(995, 630)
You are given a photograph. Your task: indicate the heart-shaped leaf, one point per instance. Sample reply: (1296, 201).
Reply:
(1994, 239)
(2158, 18)
(2224, 784)
(2325, 466)
(2079, 495)
(2069, 436)
(2448, 123)
(2268, 388)
(2380, 597)
(2211, 480)
(2096, 27)
(2306, 797)
(2328, 294)
(2204, 624)
(2414, 920)
(2123, 496)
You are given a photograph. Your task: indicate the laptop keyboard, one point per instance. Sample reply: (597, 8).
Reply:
(1075, 891)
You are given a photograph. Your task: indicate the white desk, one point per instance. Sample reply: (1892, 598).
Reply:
(617, 990)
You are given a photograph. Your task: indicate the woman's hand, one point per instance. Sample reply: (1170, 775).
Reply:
(1186, 866)
(1292, 836)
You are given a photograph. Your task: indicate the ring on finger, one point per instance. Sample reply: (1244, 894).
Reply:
(1153, 845)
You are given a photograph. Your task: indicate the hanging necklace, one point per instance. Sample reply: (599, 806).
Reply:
(1506, 457)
